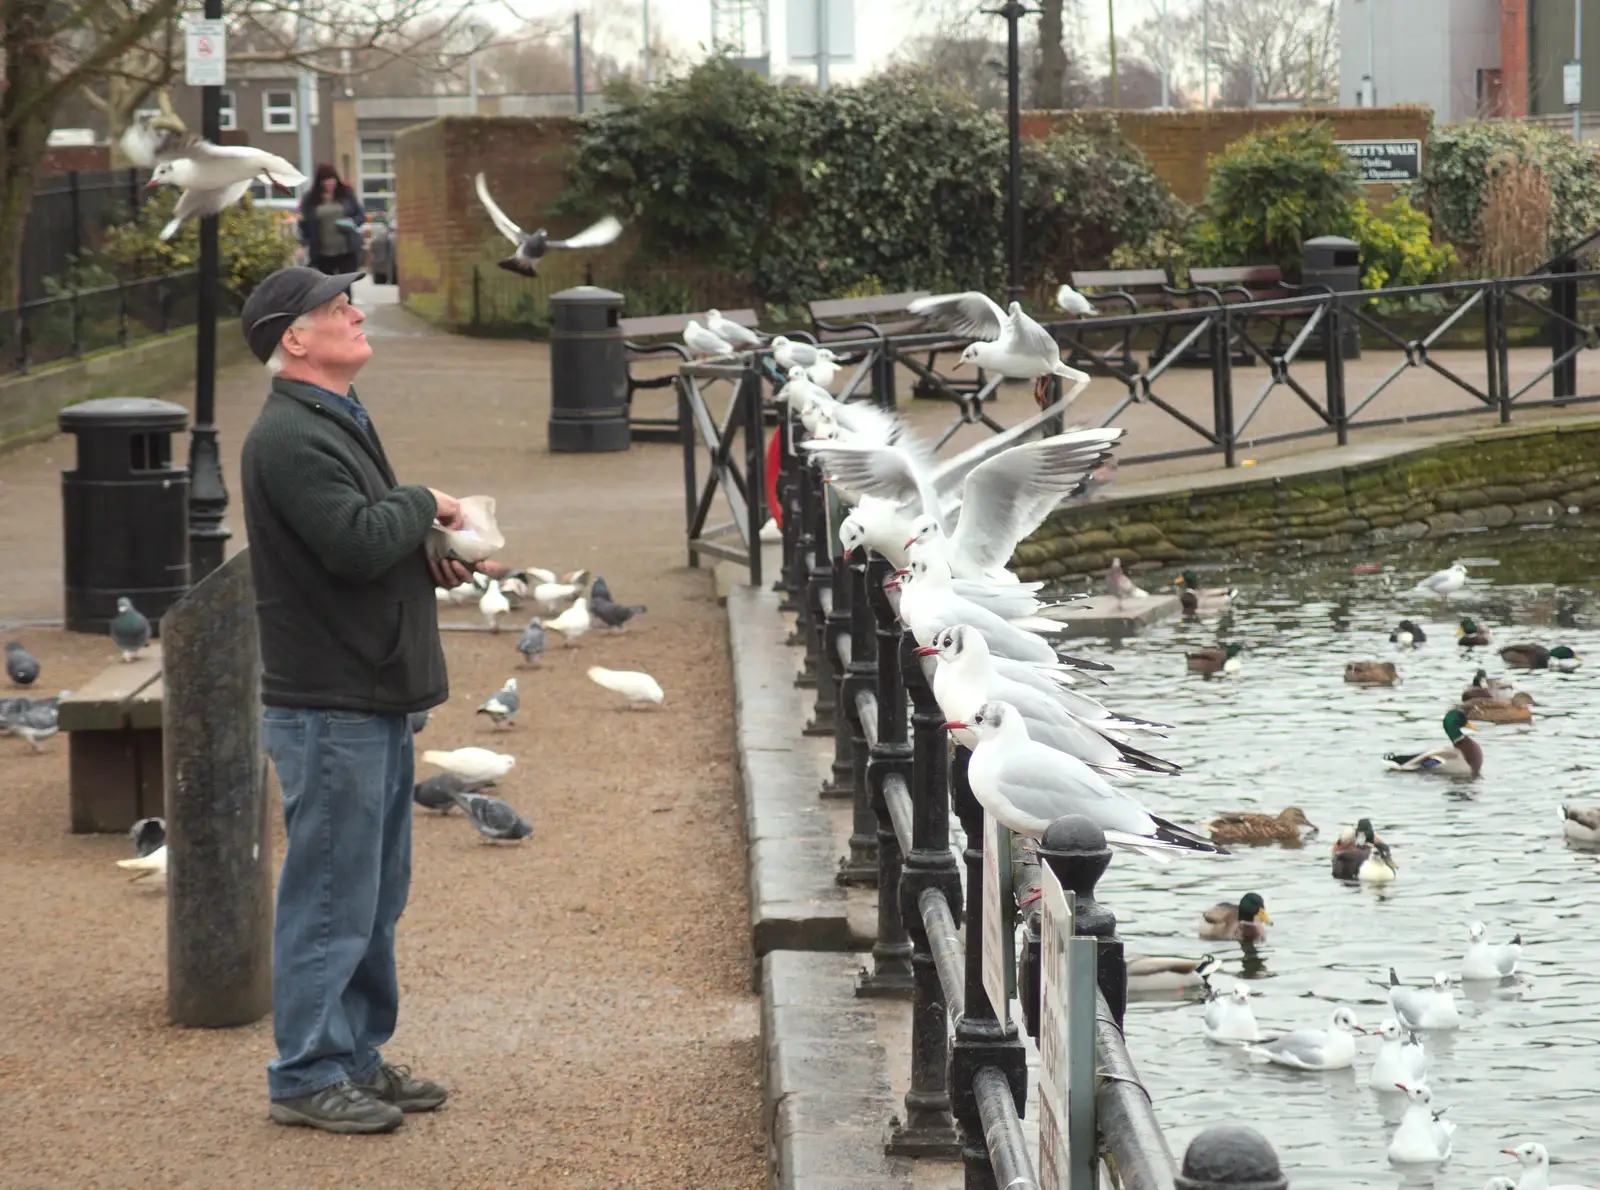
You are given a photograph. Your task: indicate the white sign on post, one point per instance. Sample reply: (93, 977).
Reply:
(999, 920)
(205, 62)
(1067, 1158)
(1572, 83)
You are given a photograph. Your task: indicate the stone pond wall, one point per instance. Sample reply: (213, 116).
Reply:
(1546, 474)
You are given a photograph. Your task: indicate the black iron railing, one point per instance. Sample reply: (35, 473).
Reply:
(71, 325)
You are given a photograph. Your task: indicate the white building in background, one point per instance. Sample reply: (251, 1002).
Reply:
(1443, 54)
(863, 35)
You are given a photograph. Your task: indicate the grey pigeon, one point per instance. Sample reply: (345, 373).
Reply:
(533, 245)
(599, 590)
(419, 720)
(35, 720)
(493, 818)
(502, 705)
(438, 792)
(22, 667)
(533, 642)
(130, 631)
(148, 835)
(608, 611)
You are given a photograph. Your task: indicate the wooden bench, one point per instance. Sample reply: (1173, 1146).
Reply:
(1119, 291)
(114, 756)
(656, 336)
(1225, 284)
(833, 319)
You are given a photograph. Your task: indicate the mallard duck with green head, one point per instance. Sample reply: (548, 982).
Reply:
(1215, 661)
(1516, 709)
(1191, 595)
(1244, 826)
(1470, 634)
(1379, 866)
(1483, 686)
(1170, 974)
(1351, 848)
(1460, 758)
(1525, 656)
(1245, 922)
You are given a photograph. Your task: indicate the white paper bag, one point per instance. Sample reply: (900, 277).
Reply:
(477, 539)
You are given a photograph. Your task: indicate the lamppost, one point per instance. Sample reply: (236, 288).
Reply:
(1013, 11)
(208, 494)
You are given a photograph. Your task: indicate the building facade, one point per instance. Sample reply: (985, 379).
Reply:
(1441, 54)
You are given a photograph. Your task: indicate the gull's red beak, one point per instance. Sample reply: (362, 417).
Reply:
(955, 725)
(926, 650)
(151, 184)
(910, 541)
(1403, 1087)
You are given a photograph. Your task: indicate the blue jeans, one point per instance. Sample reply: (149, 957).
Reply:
(346, 779)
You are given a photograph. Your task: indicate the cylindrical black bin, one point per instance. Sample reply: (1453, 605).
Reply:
(124, 511)
(588, 371)
(1335, 262)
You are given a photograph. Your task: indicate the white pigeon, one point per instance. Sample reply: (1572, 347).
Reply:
(1535, 1160)
(1484, 960)
(1445, 583)
(212, 177)
(539, 574)
(928, 605)
(703, 342)
(465, 592)
(154, 864)
(1070, 301)
(1008, 341)
(640, 689)
(1424, 1008)
(1230, 1018)
(965, 678)
(493, 605)
(1027, 786)
(572, 623)
(1333, 1048)
(1423, 1138)
(729, 331)
(531, 246)
(1401, 1059)
(552, 596)
(472, 764)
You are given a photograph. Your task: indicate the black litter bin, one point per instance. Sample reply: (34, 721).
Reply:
(1335, 262)
(588, 371)
(124, 511)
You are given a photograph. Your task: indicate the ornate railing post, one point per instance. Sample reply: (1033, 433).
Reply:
(1231, 1157)
(817, 536)
(979, 1039)
(792, 576)
(1079, 858)
(836, 625)
(929, 1128)
(860, 867)
(1333, 334)
(1222, 384)
(890, 975)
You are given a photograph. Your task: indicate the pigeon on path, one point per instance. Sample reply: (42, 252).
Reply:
(213, 177)
(148, 834)
(640, 689)
(572, 623)
(502, 705)
(437, 792)
(493, 605)
(533, 245)
(419, 720)
(474, 764)
(533, 642)
(130, 631)
(34, 719)
(22, 667)
(492, 817)
(611, 614)
(142, 866)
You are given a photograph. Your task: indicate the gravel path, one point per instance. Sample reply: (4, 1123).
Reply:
(584, 995)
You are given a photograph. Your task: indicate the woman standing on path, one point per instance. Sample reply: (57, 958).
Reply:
(330, 223)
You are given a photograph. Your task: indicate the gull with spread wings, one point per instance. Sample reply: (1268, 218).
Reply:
(1008, 341)
(533, 245)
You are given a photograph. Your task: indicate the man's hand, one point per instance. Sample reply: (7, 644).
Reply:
(448, 509)
(490, 569)
(448, 573)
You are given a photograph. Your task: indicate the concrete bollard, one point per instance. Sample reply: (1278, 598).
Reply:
(1231, 1157)
(219, 885)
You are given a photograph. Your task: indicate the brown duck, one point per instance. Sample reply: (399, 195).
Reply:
(1215, 661)
(1243, 826)
(1372, 673)
(1483, 686)
(1516, 709)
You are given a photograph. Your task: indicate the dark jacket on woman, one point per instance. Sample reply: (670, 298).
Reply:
(309, 234)
(344, 598)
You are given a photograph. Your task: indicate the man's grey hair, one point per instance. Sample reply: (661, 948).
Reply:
(278, 360)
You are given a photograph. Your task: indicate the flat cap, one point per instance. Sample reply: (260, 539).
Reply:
(283, 297)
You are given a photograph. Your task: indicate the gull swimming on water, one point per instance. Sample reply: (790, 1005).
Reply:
(1333, 1048)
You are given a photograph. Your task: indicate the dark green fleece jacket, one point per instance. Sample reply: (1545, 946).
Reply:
(344, 598)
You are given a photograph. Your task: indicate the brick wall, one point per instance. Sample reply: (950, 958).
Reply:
(66, 159)
(1179, 143)
(1514, 58)
(444, 229)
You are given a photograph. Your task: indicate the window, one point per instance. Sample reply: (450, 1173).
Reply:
(230, 113)
(277, 111)
(377, 173)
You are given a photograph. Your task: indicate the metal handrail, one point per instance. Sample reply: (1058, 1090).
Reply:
(1002, 1131)
(1133, 1138)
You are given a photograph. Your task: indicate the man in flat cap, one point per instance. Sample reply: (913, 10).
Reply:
(349, 648)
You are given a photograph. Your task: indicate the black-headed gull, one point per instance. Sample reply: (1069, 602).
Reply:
(1485, 960)
(1401, 1059)
(1424, 1008)
(1027, 786)
(1229, 1017)
(1535, 1160)
(820, 364)
(1008, 341)
(533, 245)
(730, 331)
(1070, 301)
(928, 604)
(1445, 583)
(1422, 1138)
(1333, 1048)
(703, 342)
(212, 177)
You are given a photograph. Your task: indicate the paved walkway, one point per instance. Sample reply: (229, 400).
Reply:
(585, 995)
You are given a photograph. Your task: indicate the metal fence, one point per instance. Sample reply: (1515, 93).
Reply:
(69, 326)
(70, 214)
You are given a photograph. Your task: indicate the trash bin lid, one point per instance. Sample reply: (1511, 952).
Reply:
(588, 295)
(1329, 242)
(134, 413)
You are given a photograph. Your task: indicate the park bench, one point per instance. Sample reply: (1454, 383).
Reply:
(1118, 291)
(656, 336)
(1226, 284)
(114, 754)
(885, 315)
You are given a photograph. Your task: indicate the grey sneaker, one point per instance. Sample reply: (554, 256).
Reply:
(394, 1084)
(343, 1107)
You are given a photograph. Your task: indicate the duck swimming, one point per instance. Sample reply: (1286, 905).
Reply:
(1483, 686)
(1460, 758)
(1351, 848)
(1379, 866)
(1242, 826)
(1191, 595)
(1516, 709)
(1245, 922)
(1528, 656)
(1407, 635)
(1371, 673)
(1470, 635)
(1215, 661)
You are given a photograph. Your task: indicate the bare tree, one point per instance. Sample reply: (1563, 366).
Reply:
(1261, 50)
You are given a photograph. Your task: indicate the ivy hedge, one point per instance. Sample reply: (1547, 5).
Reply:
(896, 184)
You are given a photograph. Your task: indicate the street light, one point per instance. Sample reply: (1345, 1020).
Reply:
(208, 493)
(1013, 11)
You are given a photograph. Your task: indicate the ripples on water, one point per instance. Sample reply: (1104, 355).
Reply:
(1289, 731)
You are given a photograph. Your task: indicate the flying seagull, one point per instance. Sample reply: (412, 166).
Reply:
(212, 177)
(532, 245)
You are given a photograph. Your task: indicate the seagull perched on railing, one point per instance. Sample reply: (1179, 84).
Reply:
(730, 331)
(532, 245)
(1009, 342)
(1072, 302)
(705, 342)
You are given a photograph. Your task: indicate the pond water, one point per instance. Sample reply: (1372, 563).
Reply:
(1288, 730)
